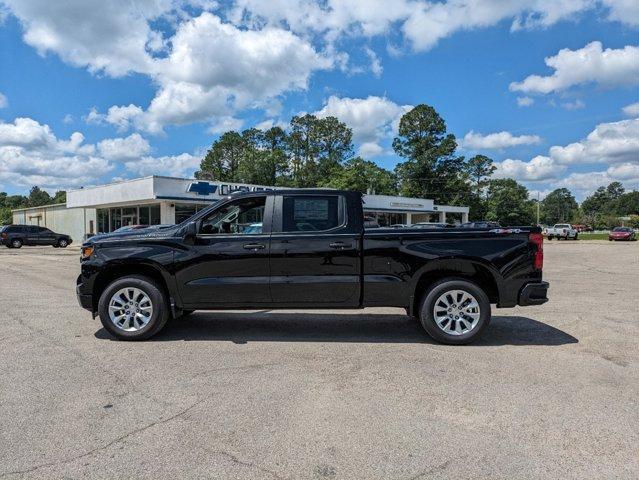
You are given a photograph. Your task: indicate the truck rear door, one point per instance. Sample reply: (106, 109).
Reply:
(315, 251)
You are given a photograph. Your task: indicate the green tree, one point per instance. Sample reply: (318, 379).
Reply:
(317, 147)
(222, 160)
(559, 206)
(596, 203)
(507, 203)
(59, 197)
(628, 203)
(431, 169)
(479, 170)
(38, 197)
(363, 176)
(335, 145)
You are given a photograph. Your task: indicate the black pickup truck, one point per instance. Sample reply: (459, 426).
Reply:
(308, 249)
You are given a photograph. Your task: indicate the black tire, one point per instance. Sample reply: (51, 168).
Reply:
(549, 237)
(16, 243)
(427, 305)
(576, 236)
(160, 314)
(63, 243)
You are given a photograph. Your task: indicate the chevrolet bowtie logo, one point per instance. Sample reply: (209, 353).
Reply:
(202, 188)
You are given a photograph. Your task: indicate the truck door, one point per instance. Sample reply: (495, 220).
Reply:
(228, 264)
(315, 256)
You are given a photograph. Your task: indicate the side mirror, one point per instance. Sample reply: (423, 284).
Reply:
(190, 231)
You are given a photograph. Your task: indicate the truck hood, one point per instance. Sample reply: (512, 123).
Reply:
(133, 235)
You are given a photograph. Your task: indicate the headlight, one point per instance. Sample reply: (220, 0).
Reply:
(87, 252)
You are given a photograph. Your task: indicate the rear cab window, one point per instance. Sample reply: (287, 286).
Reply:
(312, 213)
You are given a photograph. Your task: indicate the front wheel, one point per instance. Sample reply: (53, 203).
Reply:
(63, 243)
(133, 308)
(17, 243)
(455, 311)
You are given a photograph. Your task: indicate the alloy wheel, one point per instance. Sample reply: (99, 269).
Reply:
(456, 312)
(130, 309)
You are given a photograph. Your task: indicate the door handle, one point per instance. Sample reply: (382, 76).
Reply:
(340, 245)
(254, 246)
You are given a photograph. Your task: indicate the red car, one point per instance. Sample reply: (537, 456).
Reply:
(622, 233)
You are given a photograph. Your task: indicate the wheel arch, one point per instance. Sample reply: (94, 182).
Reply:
(113, 272)
(469, 270)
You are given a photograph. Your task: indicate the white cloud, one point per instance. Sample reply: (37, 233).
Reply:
(111, 36)
(376, 64)
(432, 21)
(210, 60)
(590, 64)
(632, 110)
(183, 165)
(615, 142)
(4, 103)
(496, 141)
(123, 149)
(224, 124)
(625, 11)
(215, 69)
(373, 119)
(29, 134)
(576, 105)
(540, 168)
(525, 101)
(30, 154)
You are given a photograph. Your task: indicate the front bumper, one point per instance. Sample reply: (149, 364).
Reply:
(85, 300)
(533, 294)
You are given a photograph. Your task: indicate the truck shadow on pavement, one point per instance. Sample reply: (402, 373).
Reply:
(266, 326)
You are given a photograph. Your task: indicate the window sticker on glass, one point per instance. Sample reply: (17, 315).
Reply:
(312, 209)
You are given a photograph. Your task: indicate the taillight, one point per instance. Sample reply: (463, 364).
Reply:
(538, 239)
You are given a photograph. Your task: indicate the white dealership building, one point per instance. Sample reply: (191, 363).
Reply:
(166, 200)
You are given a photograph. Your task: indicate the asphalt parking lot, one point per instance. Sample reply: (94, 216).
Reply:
(550, 391)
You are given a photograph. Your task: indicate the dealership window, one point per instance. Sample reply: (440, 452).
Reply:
(385, 219)
(110, 219)
(184, 211)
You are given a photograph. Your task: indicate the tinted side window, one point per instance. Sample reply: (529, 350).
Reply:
(310, 213)
(243, 217)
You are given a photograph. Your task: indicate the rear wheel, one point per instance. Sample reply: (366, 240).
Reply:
(455, 311)
(16, 243)
(133, 308)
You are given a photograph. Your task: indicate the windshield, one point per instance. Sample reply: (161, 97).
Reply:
(621, 229)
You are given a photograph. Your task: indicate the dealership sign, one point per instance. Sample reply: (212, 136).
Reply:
(206, 188)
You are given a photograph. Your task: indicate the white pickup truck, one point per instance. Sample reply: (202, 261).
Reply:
(561, 230)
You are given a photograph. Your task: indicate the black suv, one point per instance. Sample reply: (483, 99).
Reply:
(14, 236)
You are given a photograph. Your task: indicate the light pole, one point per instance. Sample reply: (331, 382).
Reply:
(537, 207)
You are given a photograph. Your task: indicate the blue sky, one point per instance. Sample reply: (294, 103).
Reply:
(93, 92)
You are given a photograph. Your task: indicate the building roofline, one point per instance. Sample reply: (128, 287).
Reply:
(127, 180)
(41, 206)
